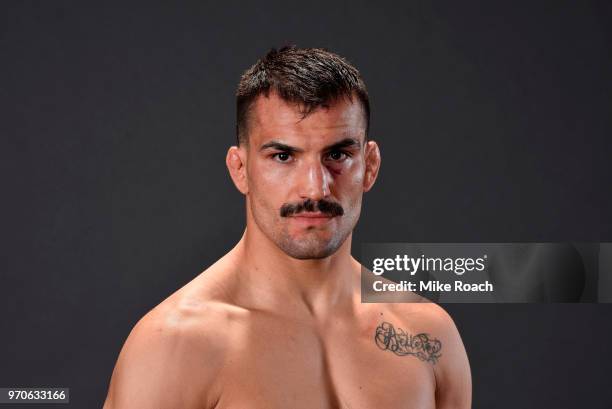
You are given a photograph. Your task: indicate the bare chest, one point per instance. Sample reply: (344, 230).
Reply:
(294, 367)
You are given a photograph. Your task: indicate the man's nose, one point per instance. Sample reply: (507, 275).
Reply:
(314, 181)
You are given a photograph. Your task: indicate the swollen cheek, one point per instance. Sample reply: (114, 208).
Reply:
(348, 169)
(335, 171)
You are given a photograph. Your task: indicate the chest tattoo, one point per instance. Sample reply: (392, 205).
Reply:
(400, 343)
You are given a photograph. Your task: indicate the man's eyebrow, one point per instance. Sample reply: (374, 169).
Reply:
(279, 146)
(345, 143)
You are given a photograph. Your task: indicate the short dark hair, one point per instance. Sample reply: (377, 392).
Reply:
(310, 77)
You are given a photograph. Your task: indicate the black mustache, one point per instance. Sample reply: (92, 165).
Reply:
(324, 206)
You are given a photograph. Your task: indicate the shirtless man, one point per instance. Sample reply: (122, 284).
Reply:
(278, 321)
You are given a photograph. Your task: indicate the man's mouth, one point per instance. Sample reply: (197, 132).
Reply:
(313, 215)
(307, 219)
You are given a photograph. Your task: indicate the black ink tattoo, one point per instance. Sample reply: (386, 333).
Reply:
(420, 345)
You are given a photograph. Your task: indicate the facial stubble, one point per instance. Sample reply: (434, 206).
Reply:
(314, 242)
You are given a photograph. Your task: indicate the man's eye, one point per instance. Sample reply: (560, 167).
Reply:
(281, 156)
(337, 156)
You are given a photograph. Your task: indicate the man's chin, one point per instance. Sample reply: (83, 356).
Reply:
(309, 251)
(310, 255)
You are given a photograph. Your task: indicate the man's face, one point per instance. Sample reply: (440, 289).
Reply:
(305, 175)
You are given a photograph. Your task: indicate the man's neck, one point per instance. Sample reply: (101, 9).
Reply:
(276, 280)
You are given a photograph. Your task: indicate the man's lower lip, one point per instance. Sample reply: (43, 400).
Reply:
(311, 220)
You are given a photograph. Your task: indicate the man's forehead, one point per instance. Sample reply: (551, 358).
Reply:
(273, 117)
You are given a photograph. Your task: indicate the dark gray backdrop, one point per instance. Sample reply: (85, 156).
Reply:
(493, 119)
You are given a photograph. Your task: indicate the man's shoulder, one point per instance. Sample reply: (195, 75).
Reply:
(187, 317)
(191, 317)
(435, 336)
(178, 347)
(201, 304)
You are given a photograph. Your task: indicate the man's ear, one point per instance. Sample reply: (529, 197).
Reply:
(372, 165)
(236, 164)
